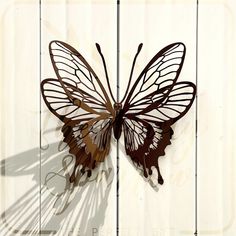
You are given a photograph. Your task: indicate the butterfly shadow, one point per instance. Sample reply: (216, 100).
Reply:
(52, 204)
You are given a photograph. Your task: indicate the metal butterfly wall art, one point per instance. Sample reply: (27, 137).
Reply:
(145, 114)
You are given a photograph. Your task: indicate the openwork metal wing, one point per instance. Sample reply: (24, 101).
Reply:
(80, 101)
(155, 102)
(77, 77)
(148, 134)
(163, 70)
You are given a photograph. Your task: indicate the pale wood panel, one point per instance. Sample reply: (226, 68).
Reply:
(167, 209)
(88, 208)
(216, 119)
(19, 118)
(143, 211)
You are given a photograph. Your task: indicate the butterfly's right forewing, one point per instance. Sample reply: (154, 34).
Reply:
(163, 70)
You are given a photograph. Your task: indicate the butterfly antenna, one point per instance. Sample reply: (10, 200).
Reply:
(105, 68)
(132, 69)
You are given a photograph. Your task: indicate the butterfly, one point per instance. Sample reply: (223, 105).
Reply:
(145, 114)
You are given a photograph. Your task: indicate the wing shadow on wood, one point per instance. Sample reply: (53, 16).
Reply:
(65, 207)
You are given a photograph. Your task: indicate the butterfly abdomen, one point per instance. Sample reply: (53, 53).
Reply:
(117, 125)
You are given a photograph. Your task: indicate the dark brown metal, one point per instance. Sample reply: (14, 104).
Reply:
(153, 104)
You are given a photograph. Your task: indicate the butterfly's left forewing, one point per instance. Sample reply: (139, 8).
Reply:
(77, 76)
(154, 103)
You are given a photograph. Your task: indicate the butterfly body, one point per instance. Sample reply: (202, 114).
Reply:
(145, 114)
(118, 122)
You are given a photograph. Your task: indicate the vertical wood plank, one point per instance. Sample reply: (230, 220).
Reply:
(89, 208)
(216, 119)
(19, 117)
(167, 209)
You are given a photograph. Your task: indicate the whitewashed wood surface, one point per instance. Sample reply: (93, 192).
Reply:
(36, 197)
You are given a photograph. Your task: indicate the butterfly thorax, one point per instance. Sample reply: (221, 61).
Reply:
(117, 106)
(117, 125)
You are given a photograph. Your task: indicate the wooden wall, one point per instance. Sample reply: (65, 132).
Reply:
(36, 197)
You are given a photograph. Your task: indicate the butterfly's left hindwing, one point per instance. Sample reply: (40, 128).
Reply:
(154, 103)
